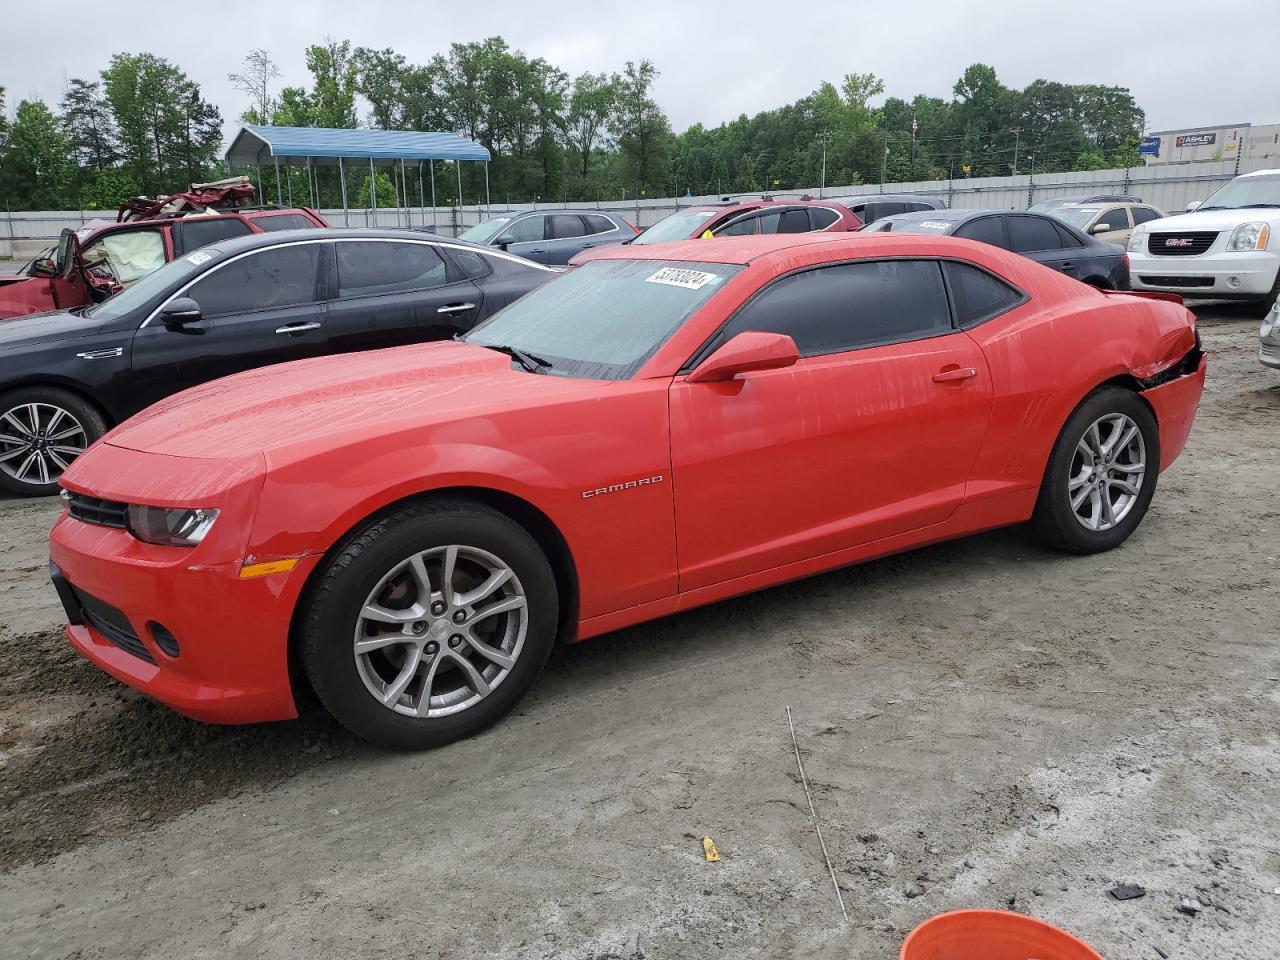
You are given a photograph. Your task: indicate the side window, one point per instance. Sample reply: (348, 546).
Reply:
(794, 221)
(984, 230)
(1032, 234)
(524, 230)
(820, 218)
(283, 221)
(745, 227)
(1143, 215)
(850, 305)
(1117, 218)
(565, 226)
(472, 264)
(370, 268)
(283, 277)
(917, 205)
(598, 224)
(131, 254)
(978, 296)
(198, 232)
(1066, 238)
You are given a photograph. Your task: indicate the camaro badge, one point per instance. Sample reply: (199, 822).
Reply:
(615, 487)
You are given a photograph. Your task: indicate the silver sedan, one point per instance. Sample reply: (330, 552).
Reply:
(1269, 353)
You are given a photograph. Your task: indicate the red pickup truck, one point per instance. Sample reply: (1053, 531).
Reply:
(104, 256)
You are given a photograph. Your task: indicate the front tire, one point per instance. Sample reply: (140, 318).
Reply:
(1101, 474)
(42, 430)
(429, 624)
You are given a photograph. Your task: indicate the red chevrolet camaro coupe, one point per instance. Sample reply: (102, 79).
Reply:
(411, 530)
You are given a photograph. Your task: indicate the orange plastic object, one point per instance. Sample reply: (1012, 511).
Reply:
(992, 935)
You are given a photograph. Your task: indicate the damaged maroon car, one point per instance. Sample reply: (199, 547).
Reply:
(104, 256)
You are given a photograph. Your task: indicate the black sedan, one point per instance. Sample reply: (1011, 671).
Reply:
(66, 377)
(1036, 236)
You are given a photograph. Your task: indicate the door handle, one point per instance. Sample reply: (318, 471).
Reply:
(1069, 265)
(954, 374)
(456, 308)
(539, 250)
(299, 327)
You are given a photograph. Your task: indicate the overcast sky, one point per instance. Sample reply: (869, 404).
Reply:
(1188, 62)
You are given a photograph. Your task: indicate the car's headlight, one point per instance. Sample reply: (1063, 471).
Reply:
(170, 527)
(1137, 239)
(1249, 236)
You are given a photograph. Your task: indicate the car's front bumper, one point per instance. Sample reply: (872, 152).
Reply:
(232, 633)
(1226, 276)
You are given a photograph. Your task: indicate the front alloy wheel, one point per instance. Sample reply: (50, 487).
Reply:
(440, 631)
(428, 623)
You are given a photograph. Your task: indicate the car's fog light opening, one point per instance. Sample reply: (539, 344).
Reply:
(1234, 281)
(165, 640)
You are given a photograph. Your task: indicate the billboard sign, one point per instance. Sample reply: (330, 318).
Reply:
(1149, 147)
(1197, 139)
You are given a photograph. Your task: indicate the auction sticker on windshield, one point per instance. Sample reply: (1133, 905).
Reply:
(934, 224)
(677, 277)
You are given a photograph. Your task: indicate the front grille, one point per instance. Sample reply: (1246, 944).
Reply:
(1188, 244)
(1176, 281)
(103, 513)
(112, 624)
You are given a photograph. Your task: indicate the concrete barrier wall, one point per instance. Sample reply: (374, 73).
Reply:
(1168, 186)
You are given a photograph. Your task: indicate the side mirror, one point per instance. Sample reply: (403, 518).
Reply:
(46, 267)
(748, 351)
(1102, 227)
(1193, 205)
(503, 242)
(180, 313)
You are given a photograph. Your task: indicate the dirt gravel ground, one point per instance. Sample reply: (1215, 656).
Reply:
(984, 724)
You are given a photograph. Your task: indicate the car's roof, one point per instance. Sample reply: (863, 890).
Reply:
(1263, 173)
(273, 238)
(951, 216)
(781, 246)
(888, 197)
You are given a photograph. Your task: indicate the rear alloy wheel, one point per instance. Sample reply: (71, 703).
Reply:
(1101, 475)
(42, 430)
(429, 624)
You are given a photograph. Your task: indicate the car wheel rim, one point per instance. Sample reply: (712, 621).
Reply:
(38, 441)
(440, 631)
(1108, 469)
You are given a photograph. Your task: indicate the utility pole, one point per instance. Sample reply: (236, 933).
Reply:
(824, 138)
(1017, 134)
(1031, 181)
(884, 163)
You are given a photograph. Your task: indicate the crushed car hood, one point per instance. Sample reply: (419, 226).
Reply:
(343, 398)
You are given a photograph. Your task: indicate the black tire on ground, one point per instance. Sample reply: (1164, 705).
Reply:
(329, 617)
(1054, 521)
(14, 418)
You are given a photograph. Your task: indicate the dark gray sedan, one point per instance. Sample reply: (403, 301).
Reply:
(1036, 236)
(550, 236)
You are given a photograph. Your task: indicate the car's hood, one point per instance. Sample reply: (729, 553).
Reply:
(7, 278)
(1219, 220)
(339, 399)
(45, 327)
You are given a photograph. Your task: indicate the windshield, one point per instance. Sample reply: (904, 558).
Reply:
(677, 226)
(169, 277)
(1246, 192)
(485, 230)
(603, 320)
(1078, 217)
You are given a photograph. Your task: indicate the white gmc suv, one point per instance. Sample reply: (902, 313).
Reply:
(1226, 248)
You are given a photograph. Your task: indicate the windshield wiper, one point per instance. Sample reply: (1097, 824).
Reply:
(530, 361)
(1255, 206)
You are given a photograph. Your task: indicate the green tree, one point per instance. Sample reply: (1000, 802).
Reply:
(87, 123)
(333, 91)
(36, 171)
(380, 79)
(592, 102)
(641, 128)
(169, 135)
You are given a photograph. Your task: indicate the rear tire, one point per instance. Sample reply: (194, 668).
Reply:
(42, 431)
(1101, 474)
(429, 624)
